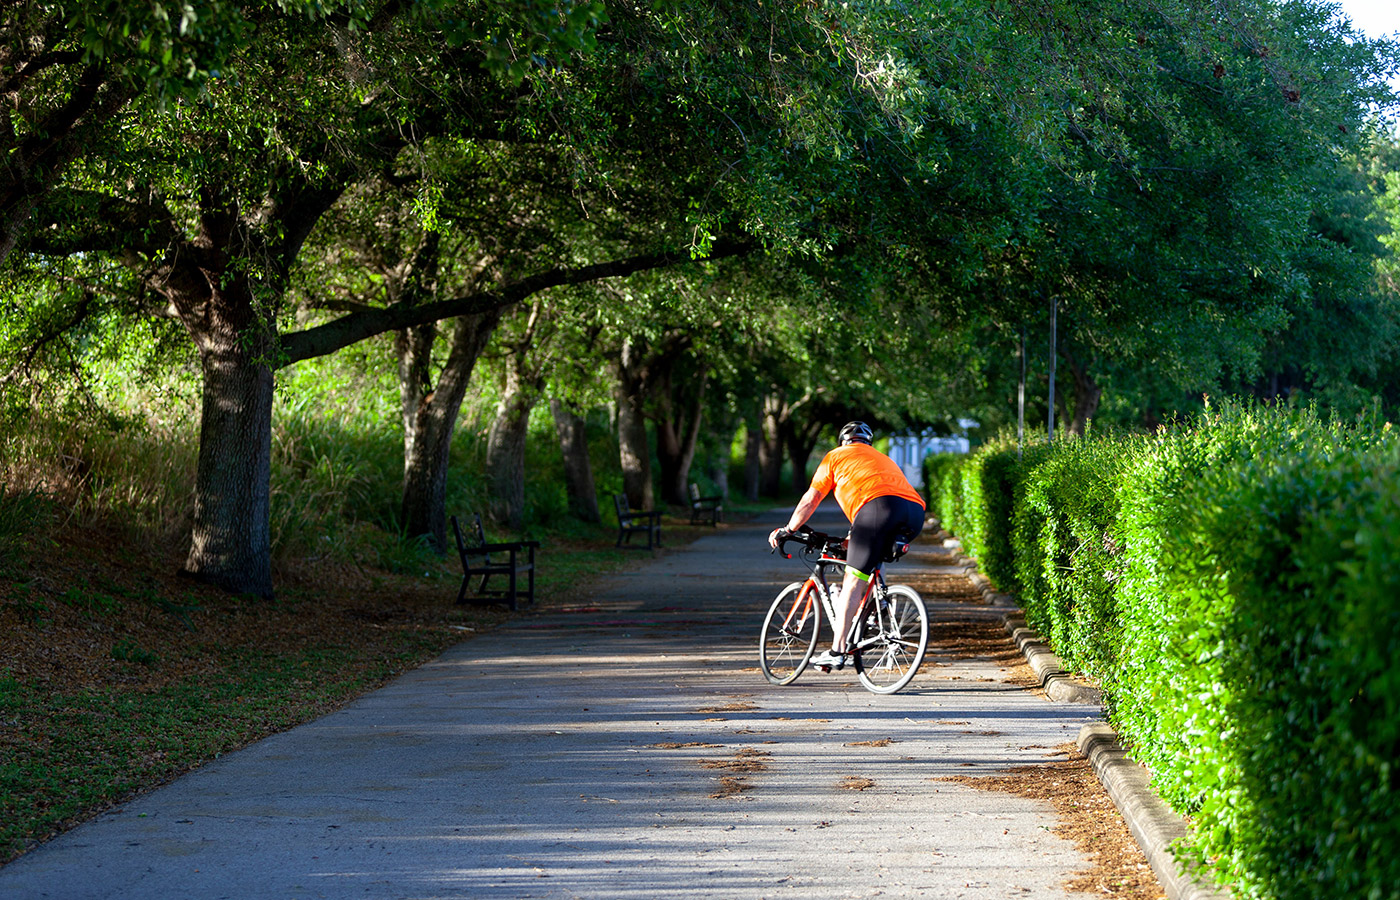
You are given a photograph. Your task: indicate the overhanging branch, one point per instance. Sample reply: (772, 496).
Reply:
(358, 326)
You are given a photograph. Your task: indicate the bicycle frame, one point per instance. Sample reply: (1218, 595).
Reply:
(831, 554)
(891, 622)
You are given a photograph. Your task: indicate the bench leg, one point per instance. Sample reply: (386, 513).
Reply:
(510, 595)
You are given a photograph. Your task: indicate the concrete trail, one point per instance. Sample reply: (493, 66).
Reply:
(630, 749)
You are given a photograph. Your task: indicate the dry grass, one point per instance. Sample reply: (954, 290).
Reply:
(730, 786)
(736, 706)
(1088, 819)
(746, 760)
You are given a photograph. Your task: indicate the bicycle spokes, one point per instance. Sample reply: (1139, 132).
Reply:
(891, 638)
(789, 634)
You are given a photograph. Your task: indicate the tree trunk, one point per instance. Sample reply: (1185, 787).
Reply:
(414, 347)
(1087, 394)
(799, 442)
(231, 543)
(231, 540)
(427, 442)
(633, 451)
(578, 468)
(718, 467)
(753, 459)
(770, 452)
(505, 444)
(676, 437)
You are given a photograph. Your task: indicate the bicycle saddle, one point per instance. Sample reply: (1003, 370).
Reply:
(897, 550)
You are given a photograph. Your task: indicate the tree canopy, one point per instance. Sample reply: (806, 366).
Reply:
(884, 198)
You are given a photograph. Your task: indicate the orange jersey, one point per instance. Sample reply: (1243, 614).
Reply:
(860, 473)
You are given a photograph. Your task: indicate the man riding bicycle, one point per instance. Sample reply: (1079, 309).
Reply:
(882, 507)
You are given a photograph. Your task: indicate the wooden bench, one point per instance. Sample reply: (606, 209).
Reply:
(631, 521)
(705, 510)
(520, 560)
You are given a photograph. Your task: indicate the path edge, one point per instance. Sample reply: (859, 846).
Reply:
(1153, 824)
(1155, 827)
(1057, 682)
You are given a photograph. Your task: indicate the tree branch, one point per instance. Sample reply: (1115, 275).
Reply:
(78, 221)
(332, 336)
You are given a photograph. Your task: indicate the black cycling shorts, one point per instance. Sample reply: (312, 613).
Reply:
(878, 524)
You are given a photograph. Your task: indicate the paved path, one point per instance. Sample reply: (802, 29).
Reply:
(537, 761)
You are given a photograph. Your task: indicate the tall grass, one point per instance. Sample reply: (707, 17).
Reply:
(124, 456)
(107, 468)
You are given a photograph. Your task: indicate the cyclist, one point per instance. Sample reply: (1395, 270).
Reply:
(882, 507)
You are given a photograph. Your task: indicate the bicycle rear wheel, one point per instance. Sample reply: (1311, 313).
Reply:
(891, 638)
(789, 633)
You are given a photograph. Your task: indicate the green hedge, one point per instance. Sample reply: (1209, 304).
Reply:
(1234, 585)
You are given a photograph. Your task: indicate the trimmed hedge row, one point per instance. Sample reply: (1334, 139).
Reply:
(1234, 586)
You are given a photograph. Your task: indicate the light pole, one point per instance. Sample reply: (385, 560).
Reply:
(1021, 400)
(1054, 310)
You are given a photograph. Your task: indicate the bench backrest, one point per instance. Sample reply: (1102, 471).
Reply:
(694, 493)
(620, 501)
(478, 539)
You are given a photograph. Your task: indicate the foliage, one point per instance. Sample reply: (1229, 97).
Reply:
(1225, 581)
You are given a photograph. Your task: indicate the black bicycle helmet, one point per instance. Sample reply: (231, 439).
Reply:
(856, 433)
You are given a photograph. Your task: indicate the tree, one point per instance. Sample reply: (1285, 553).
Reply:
(67, 70)
(215, 205)
(1089, 144)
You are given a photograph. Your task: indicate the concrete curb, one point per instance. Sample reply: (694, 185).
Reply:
(1155, 827)
(1056, 681)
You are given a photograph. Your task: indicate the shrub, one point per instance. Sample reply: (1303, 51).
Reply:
(1232, 584)
(937, 467)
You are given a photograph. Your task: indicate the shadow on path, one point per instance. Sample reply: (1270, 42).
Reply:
(628, 749)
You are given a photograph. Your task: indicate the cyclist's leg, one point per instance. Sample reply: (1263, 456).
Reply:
(871, 534)
(892, 641)
(900, 520)
(854, 587)
(906, 523)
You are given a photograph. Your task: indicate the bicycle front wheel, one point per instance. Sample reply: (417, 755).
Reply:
(789, 633)
(891, 638)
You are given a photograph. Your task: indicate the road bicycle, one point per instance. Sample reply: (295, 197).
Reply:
(888, 636)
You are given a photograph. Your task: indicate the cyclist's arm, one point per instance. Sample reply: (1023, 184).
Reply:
(805, 507)
(801, 513)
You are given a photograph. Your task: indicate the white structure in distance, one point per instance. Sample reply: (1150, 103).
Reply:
(909, 450)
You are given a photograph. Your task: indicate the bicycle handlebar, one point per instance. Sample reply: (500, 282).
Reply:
(829, 546)
(810, 540)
